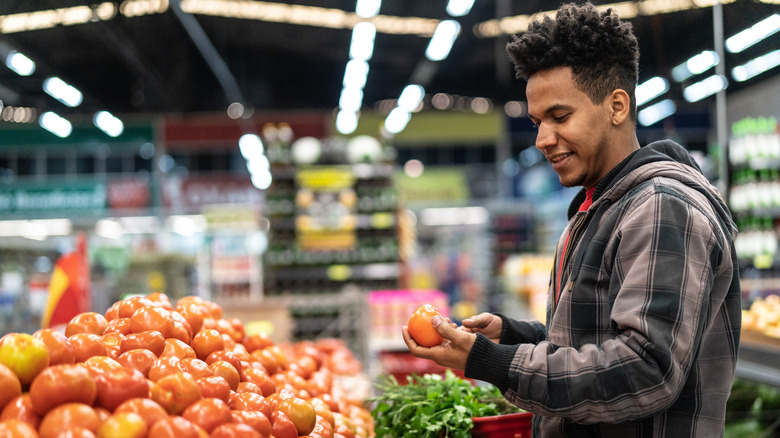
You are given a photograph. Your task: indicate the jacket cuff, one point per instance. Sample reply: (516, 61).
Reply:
(490, 362)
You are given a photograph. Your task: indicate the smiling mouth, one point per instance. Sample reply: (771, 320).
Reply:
(558, 158)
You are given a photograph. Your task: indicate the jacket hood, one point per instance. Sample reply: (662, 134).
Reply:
(662, 159)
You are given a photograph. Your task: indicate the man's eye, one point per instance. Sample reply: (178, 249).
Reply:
(561, 118)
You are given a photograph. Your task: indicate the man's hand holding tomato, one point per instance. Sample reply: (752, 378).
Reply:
(452, 352)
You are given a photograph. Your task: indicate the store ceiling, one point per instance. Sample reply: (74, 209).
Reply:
(152, 64)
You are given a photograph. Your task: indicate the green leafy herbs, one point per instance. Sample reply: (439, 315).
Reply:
(433, 406)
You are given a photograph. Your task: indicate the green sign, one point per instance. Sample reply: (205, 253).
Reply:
(51, 198)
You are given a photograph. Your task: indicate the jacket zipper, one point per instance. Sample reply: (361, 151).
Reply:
(568, 245)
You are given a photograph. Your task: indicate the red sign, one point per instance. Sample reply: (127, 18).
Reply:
(195, 192)
(128, 193)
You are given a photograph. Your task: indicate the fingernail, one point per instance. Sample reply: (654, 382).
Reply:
(436, 320)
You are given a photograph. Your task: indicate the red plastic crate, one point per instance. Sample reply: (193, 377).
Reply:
(503, 426)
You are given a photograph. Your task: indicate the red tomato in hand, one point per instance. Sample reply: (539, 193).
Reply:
(421, 329)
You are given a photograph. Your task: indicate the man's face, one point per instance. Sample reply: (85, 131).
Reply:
(574, 134)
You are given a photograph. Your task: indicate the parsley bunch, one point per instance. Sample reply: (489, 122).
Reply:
(432, 406)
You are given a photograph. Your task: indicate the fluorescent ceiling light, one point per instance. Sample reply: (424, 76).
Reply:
(459, 8)
(356, 74)
(55, 124)
(705, 88)
(60, 90)
(756, 66)
(411, 97)
(20, 64)
(442, 40)
(650, 89)
(397, 119)
(262, 180)
(109, 124)
(259, 164)
(367, 8)
(695, 65)
(351, 99)
(346, 122)
(362, 45)
(250, 146)
(753, 34)
(657, 112)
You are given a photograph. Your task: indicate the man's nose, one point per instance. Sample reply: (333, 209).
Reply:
(545, 137)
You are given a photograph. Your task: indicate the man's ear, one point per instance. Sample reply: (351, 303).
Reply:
(620, 105)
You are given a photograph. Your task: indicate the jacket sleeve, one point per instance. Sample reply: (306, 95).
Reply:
(521, 332)
(659, 269)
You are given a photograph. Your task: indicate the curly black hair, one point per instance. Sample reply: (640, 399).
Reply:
(601, 50)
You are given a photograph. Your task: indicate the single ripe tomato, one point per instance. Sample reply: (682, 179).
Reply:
(227, 371)
(117, 385)
(16, 429)
(178, 348)
(123, 424)
(196, 367)
(250, 401)
(86, 322)
(152, 340)
(165, 366)
(175, 392)
(152, 318)
(206, 342)
(86, 345)
(67, 416)
(282, 427)
(261, 379)
(60, 350)
(21, 408)
(208, 413)
(148, 409)
(300, 412)
(214, 387)
(138, 358)
(10, 386)
(256, 419)
(420, 327)
(60, 384)
(118, 325)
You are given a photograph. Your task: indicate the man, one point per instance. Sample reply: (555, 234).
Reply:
(643, 315)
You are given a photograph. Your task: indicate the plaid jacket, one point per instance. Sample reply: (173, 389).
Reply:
(643, 340)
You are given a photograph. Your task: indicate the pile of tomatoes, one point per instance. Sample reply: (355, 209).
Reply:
(149, 368)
